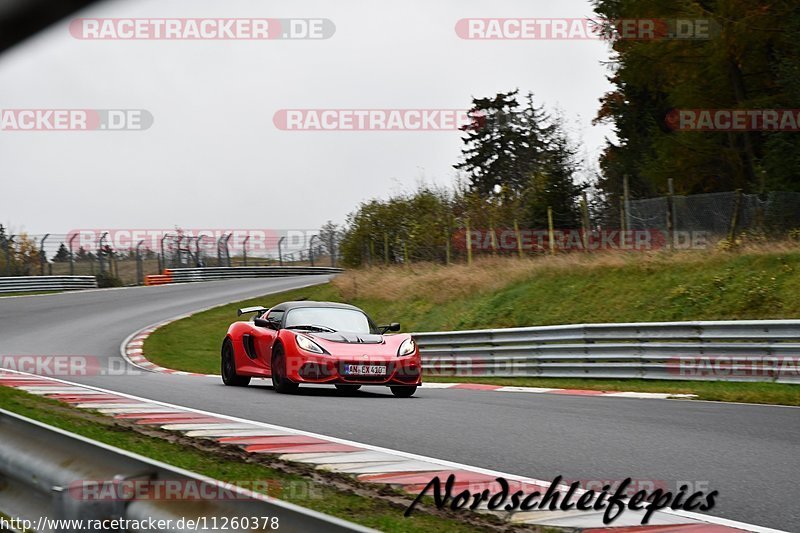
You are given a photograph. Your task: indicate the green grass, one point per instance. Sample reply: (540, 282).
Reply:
(365, 509)
(665, 287)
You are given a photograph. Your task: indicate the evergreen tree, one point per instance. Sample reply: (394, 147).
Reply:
(62, 255)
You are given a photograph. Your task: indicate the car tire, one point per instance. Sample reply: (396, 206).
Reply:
(228, 367)
(347, 388)
(281, 383)
(404, 391)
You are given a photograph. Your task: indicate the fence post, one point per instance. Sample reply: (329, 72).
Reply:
(7, 244)
(585, 221)
(735, 216)
(551, 234)
(71, 256)
(493, 238)
(42, 258)
(139, 277)
(332, 249)
(447, 246)
(101, 264)
(627, 198)
(162, 259)
(227, 251)
(311, 249)
(519, 238)
(671, 213)
(622, 213)
(280, 251)
(244, 249)
(468, 237)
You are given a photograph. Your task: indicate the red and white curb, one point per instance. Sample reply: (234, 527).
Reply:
(369, 464)
(570, 392)
(131, 350)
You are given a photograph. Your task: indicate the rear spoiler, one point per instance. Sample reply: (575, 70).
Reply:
(257, 309)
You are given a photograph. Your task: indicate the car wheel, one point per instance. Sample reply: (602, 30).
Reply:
(228, 369)
(281, 383)
(347, 388)
(404, 391)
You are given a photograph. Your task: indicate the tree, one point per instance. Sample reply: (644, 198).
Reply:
(329, 236)
(554, 186)
(62, 255)
(413, 227)
(83, 255)
(749, 61)
(518, 161)
(503, 146)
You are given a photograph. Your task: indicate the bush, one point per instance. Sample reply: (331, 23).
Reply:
(107, 279)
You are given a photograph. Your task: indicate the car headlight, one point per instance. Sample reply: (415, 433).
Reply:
(308, 345)
(407, 348)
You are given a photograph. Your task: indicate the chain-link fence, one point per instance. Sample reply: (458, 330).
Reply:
(719, 215)
(669, 222)
(127, 256)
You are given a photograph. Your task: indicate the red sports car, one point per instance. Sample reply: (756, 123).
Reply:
(321, 343)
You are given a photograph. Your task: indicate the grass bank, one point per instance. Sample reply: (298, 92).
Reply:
(758, 284)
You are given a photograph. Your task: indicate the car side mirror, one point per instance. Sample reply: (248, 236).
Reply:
(394, 326)
(264, 323)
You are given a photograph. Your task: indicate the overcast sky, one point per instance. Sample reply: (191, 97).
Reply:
(214, 159)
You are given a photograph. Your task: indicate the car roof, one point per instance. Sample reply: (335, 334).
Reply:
(286, 306)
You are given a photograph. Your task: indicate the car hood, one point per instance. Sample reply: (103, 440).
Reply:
(349, 338)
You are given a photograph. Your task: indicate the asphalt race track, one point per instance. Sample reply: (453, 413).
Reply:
(749, 453)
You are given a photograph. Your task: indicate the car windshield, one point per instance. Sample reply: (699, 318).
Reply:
(331, 318)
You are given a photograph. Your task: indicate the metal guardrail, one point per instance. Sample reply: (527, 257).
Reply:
(62, 476)
(180, 275)
(46, 283)
(759, 350)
